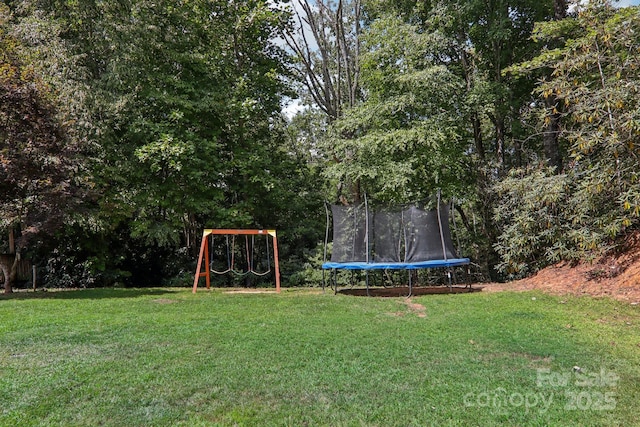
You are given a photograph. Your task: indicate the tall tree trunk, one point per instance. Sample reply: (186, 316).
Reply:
(498, 122)
(551, 133)
(468, 69)
(477, 135)
(8, 266)
(559, 9)
(487, 200)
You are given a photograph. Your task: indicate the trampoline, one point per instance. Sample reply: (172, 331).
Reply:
(402, 238)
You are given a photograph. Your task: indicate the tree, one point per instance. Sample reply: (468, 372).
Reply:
(185, 100)
(325, 37)
(486, 37)
(404, 140)
(39, 166)
(551, 133)
(183, 92)
(595, 80)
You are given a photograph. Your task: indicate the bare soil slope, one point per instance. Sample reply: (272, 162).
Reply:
(616, 275)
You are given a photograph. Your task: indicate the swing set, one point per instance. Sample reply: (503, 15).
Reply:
(231, 236)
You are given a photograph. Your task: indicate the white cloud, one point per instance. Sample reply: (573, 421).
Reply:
(292, 107)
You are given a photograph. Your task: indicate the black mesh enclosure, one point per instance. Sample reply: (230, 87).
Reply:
(410, 235)
(350, 240)
(423, 238)
(387, 240)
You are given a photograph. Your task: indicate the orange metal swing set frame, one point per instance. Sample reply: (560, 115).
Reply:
(204, 253)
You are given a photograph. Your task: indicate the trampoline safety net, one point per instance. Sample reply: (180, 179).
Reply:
(409, 235)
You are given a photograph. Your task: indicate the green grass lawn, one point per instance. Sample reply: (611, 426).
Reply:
(156, 357)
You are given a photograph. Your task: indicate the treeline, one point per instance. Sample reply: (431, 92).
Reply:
(129, 126)
(143, 122)
(526, 112)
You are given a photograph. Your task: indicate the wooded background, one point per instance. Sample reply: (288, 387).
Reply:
(126, 127)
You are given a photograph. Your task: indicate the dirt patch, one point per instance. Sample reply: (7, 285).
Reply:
(419, 309)
(578, 280)
(616, 275)
(397, 314)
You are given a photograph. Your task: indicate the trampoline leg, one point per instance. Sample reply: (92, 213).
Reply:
(366, 281)
(449, 277)
(410, 284)
(335, 281)
(323, 280)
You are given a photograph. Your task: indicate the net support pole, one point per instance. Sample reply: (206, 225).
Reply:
(366, 239)
(444, 247)
(326, 243)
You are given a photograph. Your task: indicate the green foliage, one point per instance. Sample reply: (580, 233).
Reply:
(310, 273)
(483, 39)
(36, 162)
(70, 267)
(595, 80)
(180, 105)
(42, 164)
(169, 113)
(532, 213)
(196, 125)
(405, 139)
(598, 83)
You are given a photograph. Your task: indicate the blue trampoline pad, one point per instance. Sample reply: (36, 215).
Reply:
(437, 263)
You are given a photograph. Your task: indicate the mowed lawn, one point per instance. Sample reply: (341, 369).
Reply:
(166, 357)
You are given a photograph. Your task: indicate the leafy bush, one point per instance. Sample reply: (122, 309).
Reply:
(309, 271)
(66, 268)
(579, 214)
(546, 218)
(531, 216)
